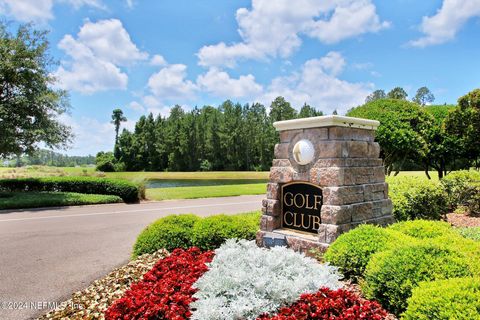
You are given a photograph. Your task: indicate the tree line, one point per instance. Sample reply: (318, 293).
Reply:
(228, 137)
(51, 158)
(416, 136)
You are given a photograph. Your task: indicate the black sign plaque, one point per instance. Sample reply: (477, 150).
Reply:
(301, 205)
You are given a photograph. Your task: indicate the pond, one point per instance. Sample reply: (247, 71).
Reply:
(172, 183)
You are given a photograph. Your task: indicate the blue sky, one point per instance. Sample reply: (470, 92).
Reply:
(145, 56)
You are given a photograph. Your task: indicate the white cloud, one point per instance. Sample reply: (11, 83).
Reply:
(91, 135)
(135, 106)
(349, 19)
(28, 10)
(221, 84)
(79, 3)
(93, 65)
(317, 82)
(170, 83)
(445, 24)
(40, 11)
(109, 41)
(273, 28)
(158, 60)
(155, 106)
(318, 85)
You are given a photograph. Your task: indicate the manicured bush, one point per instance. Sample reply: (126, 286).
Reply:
(467, 248)
(168, 233)
(470, 233)
(463, 189)
(417, 198)
(391, 275)
(184, 231)
(423, 229)
(352, 250)
(245, 281)
(327, 304)
(456, 298)
(166, 291)
(128, 191)
(211, 232)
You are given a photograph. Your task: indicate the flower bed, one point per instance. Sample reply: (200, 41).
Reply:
(166, 291)
(244, 282)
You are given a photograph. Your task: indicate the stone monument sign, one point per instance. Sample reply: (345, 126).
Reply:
(326, 179)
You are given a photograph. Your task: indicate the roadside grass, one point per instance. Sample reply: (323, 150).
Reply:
(205, 191)
(21, 200)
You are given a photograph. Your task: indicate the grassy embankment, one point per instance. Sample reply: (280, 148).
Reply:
(15, 200)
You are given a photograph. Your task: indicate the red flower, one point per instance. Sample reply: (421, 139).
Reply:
(328, 305)
(165, 292)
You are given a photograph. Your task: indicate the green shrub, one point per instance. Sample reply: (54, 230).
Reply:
(391, 275)
(352, 250)
(105, 161)
(463, 189)
(128, 191)
(423, 229)
(468, 248)
(473, 204)
(417, 198)
(456, 298)
(470, 233)
(186, 230)
(211, 232)
(170, 232)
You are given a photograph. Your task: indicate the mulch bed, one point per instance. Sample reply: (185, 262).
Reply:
(92, 302)
(463, 220)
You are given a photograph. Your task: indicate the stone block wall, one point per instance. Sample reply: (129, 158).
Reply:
(348, 169)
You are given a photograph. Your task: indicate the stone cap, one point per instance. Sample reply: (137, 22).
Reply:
(326, 121)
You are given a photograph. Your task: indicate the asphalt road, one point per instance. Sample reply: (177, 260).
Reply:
(47, 254)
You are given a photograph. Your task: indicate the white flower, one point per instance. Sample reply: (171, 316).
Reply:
(245, 281)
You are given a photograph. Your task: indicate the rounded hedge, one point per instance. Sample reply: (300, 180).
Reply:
(128, 191)
(456, 298)
(169, 233)
(424, 229)
(186, 230)
(352, 250)
(391, 275)
(211, 232)
(417, 198)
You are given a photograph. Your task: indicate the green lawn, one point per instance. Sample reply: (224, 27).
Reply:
(189, 175)
(18, 200)
(205, 192)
